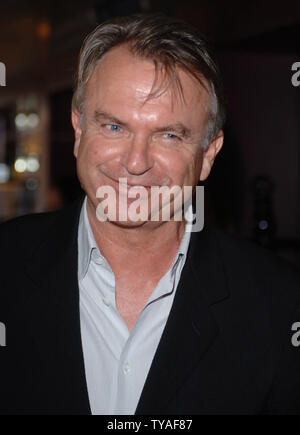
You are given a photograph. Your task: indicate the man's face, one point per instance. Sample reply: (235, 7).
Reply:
(150, 142)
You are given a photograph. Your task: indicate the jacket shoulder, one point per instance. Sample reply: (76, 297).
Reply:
(257, 274)
(26, 230)
(247, 255)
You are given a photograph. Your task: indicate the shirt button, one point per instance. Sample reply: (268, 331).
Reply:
(106, 302)
(99, 260)
(126, 368)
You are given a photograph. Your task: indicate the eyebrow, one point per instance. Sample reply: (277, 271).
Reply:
(100, 116)
(178, 128)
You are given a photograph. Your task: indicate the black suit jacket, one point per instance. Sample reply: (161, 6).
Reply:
(226, 347)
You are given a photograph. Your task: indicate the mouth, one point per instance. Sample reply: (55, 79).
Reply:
(123, 185)
(133, 186)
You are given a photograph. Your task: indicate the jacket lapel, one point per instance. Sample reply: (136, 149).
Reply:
(191, 329)
(53, 270)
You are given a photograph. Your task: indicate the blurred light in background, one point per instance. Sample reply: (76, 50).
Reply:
(33, 120)
(20, 165)
(4, 173)
(263, 225)
(32, 164)
(23, 121)
(32, 184)
(29, 164)
(43, 30)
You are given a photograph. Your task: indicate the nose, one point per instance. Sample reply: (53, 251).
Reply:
(138, 159)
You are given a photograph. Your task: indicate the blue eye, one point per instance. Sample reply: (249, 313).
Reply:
(113, 127)
(171, 136)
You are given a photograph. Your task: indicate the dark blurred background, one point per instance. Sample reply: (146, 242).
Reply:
(254, 188)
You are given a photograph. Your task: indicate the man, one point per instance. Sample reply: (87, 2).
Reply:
(124, 316)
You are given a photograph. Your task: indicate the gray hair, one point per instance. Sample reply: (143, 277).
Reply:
(169, 43)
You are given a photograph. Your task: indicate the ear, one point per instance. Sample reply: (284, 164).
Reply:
(77, 130)
(210, 154)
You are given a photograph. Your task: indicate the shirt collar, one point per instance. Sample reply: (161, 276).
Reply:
(87, 243)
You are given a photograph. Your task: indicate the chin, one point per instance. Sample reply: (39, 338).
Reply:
(128, 224)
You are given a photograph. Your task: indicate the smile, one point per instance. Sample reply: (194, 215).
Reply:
(134, 186)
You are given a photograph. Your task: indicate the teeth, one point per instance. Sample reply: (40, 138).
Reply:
(131, 187)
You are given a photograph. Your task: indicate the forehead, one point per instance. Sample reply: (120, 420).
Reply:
(124, 81)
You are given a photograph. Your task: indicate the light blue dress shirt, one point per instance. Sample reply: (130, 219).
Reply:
(117, 362)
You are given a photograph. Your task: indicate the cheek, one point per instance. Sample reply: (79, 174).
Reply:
(182, 166)
(95, 151)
